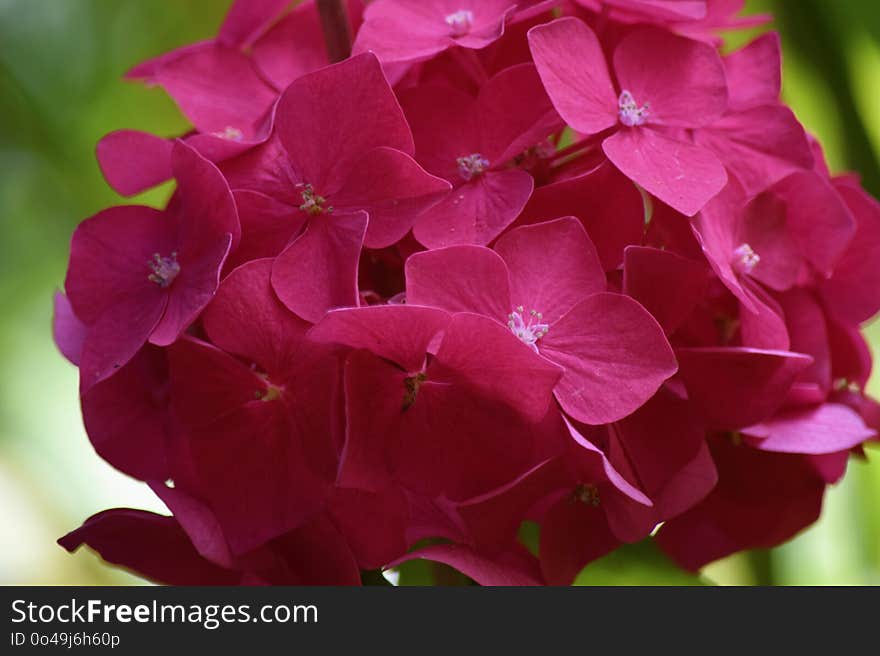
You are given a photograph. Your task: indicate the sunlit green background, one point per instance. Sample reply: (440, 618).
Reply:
(60, 91)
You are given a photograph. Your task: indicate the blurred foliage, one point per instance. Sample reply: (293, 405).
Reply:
(61, 63)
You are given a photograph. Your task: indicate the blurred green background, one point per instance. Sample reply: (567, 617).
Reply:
(60, 91)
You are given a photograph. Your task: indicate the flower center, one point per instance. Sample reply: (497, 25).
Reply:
(164, 269)
(411, 386)
(460, 22)
(472, 166)
(588, 494)
(230, 133)
(313, 203)
(629, 111)
(529, 331)
(745, 259)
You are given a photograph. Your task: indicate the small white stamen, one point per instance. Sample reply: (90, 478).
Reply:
(472, 166)
(460, 22)
(313, 203)
(745, 259)
(230, 133)
(629, 111)
(164, 269)
(530, 332)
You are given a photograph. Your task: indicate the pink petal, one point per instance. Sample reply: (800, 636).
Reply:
(681, 80)
(134, 161)
(606, 202)
(490, 359)
(754, 75)
(400, 333)
(217, 88)
(126, 416)
(736, 387)
(247, 319)
(68, 331)
(118, 335)
(267, 226)
(763, 326)
(204, 204)
(760, 146)
(553, 266)
(476, 212)
(292, 47)
(853, 291)
(373, 524)
(318, 271)
(192, 290)
(110, 255)
(614, 354)
(506, 134)
(393, 189)
(572, 536)
(152, 545)
(819, 222)
(460, 279)
(682, 175)
(572, 66)
(649, 274)
(485, 571)
(825, 429)
(330, 119)
(247, 18)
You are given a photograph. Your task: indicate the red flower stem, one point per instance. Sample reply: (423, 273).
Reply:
(336, 28)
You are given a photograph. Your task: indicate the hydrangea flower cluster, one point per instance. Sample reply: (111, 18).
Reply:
(567, 262)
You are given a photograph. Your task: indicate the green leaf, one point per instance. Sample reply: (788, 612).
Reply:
(637, 564)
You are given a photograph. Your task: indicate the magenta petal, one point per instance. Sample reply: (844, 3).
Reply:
(606, 202)
(682, 175)
(476, 212)
(152, 545)
(110, 255)
(375, 390)
(393, 189)
(572, 66)
(204, 204)
(553, 266)
(118, 335)
(217, 89)
(292, 47)
(736, 387)
(318, 271)
(754, 75)
(649, 274)
(460, 279)
(818, 220)
(614, 354)
(825, 429)
(247, 18)
(572, 536)
(760, 146)
(490, 359)
(329, 119)
(133, 161)
(763, 325)
(483, 570)
(198, 521)
(373, 524)
(126, 416)
(506, 134)
(68, 331)
(681, 80)
(853, 291)
(247, 320)
(191, 291)
(400, 333)
(267, 226)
